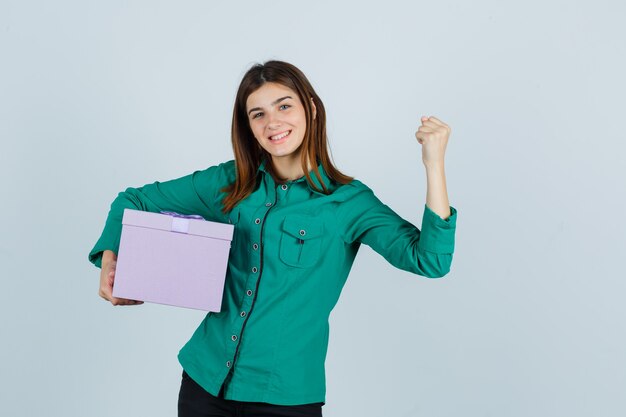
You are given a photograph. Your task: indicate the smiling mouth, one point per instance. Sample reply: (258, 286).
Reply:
(280, 136)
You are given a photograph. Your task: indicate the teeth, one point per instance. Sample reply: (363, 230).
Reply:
(282, 135)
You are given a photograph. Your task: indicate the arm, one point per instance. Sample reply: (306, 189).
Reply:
(427, 252)
(196, 193)
(436, 193)
(433, 136)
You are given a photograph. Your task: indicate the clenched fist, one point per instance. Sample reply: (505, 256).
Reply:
(433, 135)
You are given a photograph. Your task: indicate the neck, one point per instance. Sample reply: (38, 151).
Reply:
(288, 167)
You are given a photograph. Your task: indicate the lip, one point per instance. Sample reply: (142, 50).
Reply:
(279, 141)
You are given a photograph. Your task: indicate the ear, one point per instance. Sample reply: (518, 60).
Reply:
(314, 108)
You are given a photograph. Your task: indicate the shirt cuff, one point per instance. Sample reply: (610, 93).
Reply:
(110, 240)
(437, 234)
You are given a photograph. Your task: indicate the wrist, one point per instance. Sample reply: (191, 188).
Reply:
(434, 165)
(108, 256)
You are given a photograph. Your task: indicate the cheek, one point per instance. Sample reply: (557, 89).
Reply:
(256, 130)
(259, 142)
(302, 120)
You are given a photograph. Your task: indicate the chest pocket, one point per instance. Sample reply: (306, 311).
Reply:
(301, 241)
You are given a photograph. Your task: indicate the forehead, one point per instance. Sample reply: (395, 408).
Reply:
(268, 93)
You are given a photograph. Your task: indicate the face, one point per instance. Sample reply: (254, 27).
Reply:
(277, 120)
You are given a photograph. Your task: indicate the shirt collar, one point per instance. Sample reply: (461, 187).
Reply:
(320, 167)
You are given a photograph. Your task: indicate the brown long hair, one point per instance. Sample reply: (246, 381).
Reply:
(248, 155)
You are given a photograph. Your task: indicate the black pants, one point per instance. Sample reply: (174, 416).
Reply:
(195, 401)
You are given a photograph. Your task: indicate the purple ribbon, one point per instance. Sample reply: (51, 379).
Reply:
(180, 222)
(184, 216)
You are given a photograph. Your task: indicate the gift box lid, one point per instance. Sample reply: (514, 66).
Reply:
(174, 222)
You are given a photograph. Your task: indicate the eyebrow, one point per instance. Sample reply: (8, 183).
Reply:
(274, 103)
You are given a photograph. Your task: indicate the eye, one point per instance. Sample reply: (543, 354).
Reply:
(285, 105)
(255, 115)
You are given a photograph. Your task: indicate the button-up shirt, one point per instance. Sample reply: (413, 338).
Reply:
(290, 256)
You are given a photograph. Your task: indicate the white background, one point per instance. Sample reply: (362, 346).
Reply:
(99, 96)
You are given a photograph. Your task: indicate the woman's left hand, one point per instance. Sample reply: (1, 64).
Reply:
(433, 135)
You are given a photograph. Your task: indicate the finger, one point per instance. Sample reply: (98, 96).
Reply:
(433, 119)
(432, 124)
(126, 302)
(426, 129)
(118, 301)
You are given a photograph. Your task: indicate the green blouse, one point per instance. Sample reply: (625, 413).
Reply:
(291, 253)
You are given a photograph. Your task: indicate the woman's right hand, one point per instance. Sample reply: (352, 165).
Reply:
(107, 277)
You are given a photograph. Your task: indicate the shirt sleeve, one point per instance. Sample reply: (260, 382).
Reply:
(427, 252)
(196, 193)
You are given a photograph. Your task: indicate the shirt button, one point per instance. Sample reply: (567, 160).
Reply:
(242, 314)
(302, 232)
(234, 337)
(255, 246)
(249, 292)
(228, 364)
(257, 221)
(268, 204)
(284, 186)
(254, 269)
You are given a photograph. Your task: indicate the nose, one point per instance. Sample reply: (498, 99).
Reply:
(273, 121)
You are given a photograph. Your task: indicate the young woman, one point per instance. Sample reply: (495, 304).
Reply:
(299, 223)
